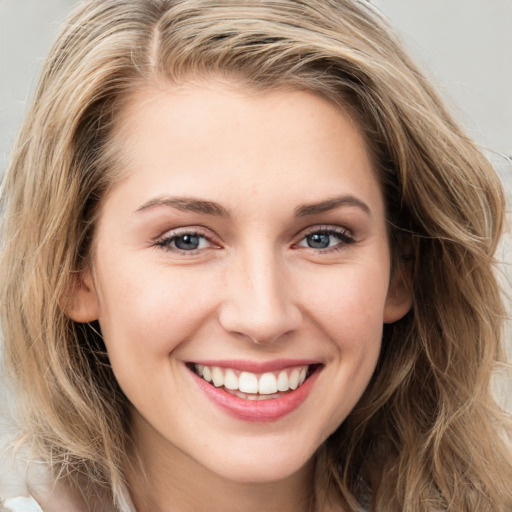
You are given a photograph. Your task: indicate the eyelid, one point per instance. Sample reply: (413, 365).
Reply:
(163, 240)
(330, 228)
(344, 234)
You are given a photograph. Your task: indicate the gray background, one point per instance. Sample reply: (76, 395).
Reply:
(465, 44)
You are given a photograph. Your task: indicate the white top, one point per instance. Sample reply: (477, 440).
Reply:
(20, 504)
(59, 502)
(29, 504)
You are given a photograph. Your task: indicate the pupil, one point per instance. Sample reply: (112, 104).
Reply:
(318, 240)
(187, 242)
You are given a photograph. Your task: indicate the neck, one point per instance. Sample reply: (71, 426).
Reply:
(180, 495)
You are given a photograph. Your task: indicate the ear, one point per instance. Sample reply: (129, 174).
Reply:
(399, 298)
(81, 303)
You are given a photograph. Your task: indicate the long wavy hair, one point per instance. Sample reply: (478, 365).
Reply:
(427, 434)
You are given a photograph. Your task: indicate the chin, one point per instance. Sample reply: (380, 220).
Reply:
(265, 467)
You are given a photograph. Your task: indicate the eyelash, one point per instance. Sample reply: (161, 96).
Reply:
(343, 234)
(166, 241)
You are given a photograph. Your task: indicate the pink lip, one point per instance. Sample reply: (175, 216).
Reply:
(258, 367)
(258, 410)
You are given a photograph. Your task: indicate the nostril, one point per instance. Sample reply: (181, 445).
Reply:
(262, 326)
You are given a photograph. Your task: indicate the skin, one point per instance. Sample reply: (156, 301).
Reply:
(254, 290)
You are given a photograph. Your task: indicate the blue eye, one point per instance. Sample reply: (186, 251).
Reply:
(187, 242)
(318, 240)
(326, 239)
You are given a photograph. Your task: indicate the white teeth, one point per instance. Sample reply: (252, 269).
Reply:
(217, 377)
(207, 374)
(230, 380)
(282, 381)
(254, 386)
(248, 382)
(268, 384)
(302, 376)
(293, 380)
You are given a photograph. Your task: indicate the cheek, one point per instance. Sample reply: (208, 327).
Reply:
(348, 302)
(351, 314)
(145, 318)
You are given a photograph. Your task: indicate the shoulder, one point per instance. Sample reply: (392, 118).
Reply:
(20, 504)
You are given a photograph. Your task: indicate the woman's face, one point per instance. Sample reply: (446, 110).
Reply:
(240, 276)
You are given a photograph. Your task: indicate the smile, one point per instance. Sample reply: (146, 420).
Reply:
(253, 386)
(253, 392)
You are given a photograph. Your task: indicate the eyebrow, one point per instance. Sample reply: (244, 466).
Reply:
(186, 204)
(213, 208)
(331, 204)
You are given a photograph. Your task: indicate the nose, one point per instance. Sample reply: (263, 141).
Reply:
(258, 300)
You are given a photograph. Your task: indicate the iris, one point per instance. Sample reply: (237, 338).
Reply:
(318, 240)
(188, 242)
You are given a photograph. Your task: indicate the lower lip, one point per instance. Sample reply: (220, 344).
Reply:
(258, 410)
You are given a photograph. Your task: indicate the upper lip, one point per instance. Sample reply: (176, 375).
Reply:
(256, 366)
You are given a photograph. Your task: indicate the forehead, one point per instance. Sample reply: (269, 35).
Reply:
(216, 137)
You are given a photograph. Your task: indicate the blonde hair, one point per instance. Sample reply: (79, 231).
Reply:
(426, 435)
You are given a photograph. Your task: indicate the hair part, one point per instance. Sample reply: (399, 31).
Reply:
(426, 435)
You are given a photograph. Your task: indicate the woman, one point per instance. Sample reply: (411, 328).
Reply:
(248, 265)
